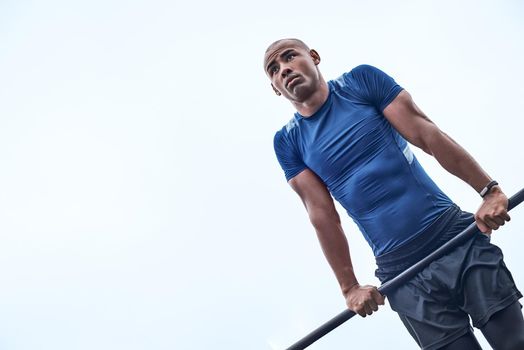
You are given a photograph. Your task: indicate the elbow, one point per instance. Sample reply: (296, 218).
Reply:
(320, 217)
(426, 148)
(316, 219)
(430, 140)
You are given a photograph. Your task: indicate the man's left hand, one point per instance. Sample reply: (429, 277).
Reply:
(493, 211)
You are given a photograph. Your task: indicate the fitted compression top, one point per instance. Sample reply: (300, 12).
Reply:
(365, 163)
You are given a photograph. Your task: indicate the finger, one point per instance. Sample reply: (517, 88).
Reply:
(373, 305)
(500, 221)
(505, 216)
(368, 309)
(358, 308)
(492, 224)
(488, 221)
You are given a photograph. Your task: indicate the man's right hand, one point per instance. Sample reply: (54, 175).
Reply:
(364, 300)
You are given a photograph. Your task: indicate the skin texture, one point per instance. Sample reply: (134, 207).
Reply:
(294, 74)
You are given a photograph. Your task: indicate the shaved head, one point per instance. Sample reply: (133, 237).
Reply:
(297, 42)
(275, 46)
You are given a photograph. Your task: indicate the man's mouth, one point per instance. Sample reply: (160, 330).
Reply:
(291, 80)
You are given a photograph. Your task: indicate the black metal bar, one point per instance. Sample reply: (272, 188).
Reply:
(399, 280)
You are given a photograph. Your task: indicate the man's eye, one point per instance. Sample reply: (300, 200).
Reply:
(273, 69)
(290, 56)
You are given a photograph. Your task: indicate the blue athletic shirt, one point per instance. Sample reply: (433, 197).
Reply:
(365, 163)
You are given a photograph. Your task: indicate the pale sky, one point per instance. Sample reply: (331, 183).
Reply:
(141, 204)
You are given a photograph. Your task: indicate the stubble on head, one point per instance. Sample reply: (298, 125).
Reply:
(274, 45)
(296, 42)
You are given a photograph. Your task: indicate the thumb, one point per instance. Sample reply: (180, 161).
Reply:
(482, 226)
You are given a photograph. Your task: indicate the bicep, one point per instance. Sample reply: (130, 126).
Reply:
(409, 120)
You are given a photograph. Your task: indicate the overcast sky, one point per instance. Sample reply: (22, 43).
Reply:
(141, 204)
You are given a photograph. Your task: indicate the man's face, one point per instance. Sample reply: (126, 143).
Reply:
(292, 70)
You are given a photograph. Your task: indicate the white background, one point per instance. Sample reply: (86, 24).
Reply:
(141, 204)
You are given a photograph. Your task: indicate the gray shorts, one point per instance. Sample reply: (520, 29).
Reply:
(470, 282)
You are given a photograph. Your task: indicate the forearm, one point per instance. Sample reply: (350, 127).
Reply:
(326, 221)
(493, 210)
(363, 300)
(419, 130)
(319, 204)
(456, 160)
(334, 246)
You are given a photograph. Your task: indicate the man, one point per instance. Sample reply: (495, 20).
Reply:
(348, 141)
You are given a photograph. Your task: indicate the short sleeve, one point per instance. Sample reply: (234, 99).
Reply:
(287, 156)
(373, 85)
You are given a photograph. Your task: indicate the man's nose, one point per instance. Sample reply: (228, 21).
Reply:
(285, 71)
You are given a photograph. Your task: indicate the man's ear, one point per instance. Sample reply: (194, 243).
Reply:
(275, 90)
(315, 56)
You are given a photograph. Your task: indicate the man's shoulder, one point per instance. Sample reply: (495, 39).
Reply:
(364, 68)
(347, 78)
(291, 124)
(287, 128)
(284, 137)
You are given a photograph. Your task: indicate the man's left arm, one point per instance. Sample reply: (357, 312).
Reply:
(420, 131)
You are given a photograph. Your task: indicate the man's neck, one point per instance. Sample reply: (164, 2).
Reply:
(308, 107)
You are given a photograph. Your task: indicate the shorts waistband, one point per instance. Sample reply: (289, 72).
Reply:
(423, 244)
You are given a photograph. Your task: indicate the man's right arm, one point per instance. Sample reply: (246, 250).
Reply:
(326, 221)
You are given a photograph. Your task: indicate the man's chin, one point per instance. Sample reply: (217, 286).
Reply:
(298, 93)
(294, 88)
